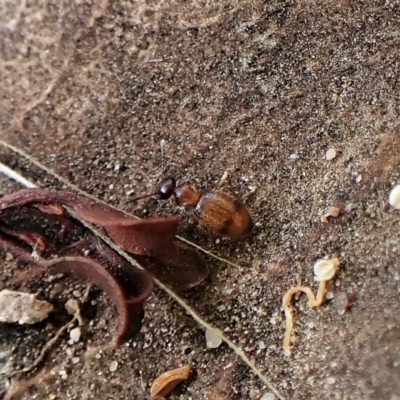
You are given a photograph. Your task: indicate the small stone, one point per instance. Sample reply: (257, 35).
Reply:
(75, 360)
(213, 339)
(330, 380)
(113, 366)
(330, 154)
(63, 374)
(75, 335)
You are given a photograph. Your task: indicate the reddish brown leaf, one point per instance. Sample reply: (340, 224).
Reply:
(39, 220)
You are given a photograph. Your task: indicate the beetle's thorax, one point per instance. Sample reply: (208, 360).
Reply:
(186, 195)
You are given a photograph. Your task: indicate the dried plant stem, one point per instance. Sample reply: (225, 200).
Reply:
(172, 294)
(16, 176)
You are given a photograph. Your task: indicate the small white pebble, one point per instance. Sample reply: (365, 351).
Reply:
(75, 335)
(268, 396)
(75, 360)
(213, 339)
(394, 197)
(330, 154)
(113, 366)
(359, 179)
(330, 381)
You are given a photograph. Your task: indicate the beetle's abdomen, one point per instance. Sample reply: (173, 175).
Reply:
(223, 214)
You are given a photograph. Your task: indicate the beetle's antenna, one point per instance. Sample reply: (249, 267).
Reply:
(141, 197)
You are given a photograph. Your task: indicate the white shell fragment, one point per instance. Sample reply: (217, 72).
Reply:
(394, 197)
(75, 335)
(23, 308)
(330, 154)
(213, 339)
(324, 270)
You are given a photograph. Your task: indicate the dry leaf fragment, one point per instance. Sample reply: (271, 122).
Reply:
(324, 271)
(23, 308)
(166, 382)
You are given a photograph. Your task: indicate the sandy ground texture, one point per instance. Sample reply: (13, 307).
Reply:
(260, 90)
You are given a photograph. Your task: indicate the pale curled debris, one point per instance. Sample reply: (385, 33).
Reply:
(394, 197)
(166, 382)
(324, 271)
(331, 212)
(23, 308)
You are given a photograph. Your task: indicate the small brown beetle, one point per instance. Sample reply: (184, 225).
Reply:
(215, 210)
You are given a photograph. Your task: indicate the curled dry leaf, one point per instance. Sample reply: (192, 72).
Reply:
(165, 383)
(331, 212)
(37, 226)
